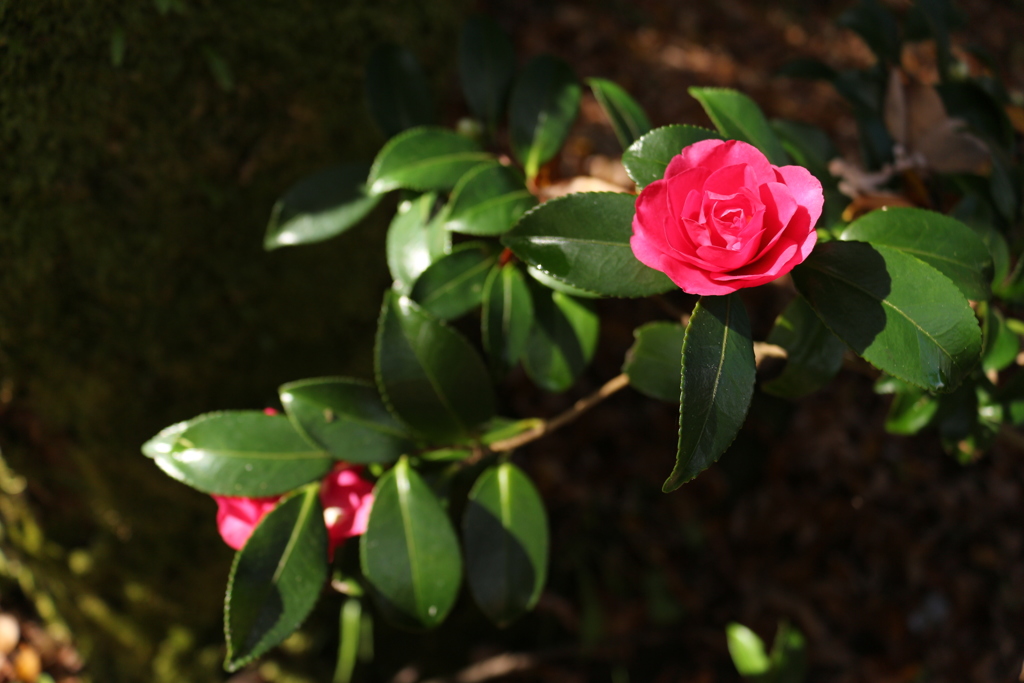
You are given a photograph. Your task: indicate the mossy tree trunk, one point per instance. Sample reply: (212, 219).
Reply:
(143, 146)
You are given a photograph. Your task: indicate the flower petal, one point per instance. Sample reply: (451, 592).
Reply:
(805, 187)
(715, 154)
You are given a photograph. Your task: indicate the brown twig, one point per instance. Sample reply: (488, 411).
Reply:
(581, 406)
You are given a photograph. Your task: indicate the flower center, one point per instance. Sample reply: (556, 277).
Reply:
(729, 219)
(734, 218)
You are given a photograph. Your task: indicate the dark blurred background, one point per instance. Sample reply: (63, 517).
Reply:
(143, 145)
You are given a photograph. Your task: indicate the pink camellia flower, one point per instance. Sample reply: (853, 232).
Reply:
(345, 496)
(724, 218)
(347, 499)
(237, 517)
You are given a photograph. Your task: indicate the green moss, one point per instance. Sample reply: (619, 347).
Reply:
(143, 146)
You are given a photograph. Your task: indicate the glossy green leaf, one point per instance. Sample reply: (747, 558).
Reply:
(428, 374)
(488, 200)
(543, 278)
(652, 363)
(628, 118)
(320, 206)
(900, 314)
(415, 240)
(747, 650)
(944, 243)
(424, 158)
(717, 384)
(912, 408)
(409, 553)
(562, 340)
(345, 417)
(507, 316)
(454, 284)
(487, 63)
(813, 354)
(542, 108)
(276, 577)
(1001, 344)
(397, 90)
(583, 240)
(647, 158)
(737, 117)
(238, 453)
(505, 535)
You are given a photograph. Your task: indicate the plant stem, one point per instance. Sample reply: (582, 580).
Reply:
(581, 406)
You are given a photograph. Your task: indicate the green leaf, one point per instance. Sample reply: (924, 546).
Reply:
(507, 316)
(978, 214)
(487, 63)
(562, 340)
(583, 240)
(488, 200)
(747, 650)
(789, 655)
(345, 417)
(320, 206)
(454, 284)
(717, 384)
(1001, 344)
(912, 408)
(424, 158)
(428, 374)
(238, 453)
(397, 90)
(652, 363)
(809, 146)
(543, 278)
(737, 117)
(350, 631)
(647, 158)
(944, 243)
(415, 240)
(276, 577)
(543, 106)
(626, 115)
(409, 553)
(813, 354)
(900, 314)
(505, 532)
